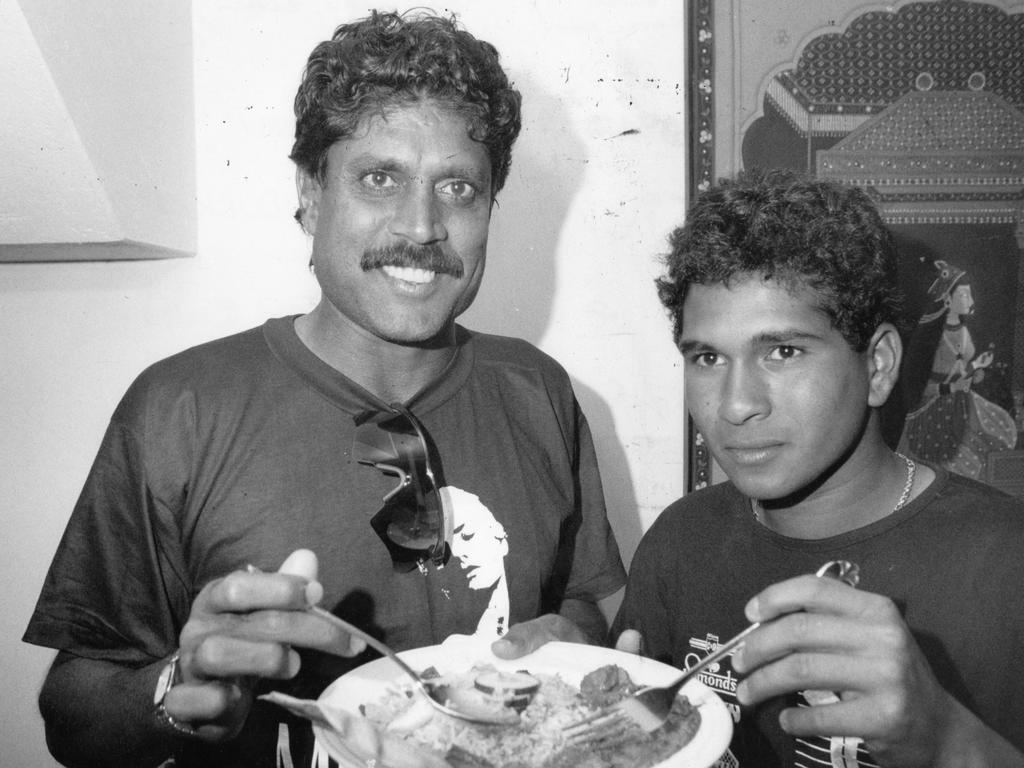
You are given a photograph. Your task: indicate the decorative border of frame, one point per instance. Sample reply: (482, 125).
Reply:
(701, 106)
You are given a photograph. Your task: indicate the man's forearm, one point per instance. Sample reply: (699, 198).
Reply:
(969, 742)
(100, 714)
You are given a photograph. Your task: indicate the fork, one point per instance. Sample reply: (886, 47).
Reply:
(649, 707)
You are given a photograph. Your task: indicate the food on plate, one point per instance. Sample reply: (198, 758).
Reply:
(512, 689)
(495, 696)
(606, 685)
(536, 740)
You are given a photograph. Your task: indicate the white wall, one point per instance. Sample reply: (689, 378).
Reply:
(596, 184)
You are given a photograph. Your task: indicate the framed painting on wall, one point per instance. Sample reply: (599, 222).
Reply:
(922, 105)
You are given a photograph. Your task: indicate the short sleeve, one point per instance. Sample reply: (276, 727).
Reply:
(112, 591)
(596, 564)
(644, 607)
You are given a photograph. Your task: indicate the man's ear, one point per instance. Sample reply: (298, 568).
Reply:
(884, 353)
(308, 190)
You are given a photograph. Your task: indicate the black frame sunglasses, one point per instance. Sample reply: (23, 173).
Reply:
(415, 522)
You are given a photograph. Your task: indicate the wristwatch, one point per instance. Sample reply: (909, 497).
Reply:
(169, 676)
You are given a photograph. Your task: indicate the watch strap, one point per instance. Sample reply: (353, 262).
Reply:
(169, 677)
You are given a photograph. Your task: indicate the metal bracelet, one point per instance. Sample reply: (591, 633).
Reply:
(165, 717)
(168, 677)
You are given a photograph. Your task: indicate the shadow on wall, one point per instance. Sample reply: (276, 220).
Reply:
(519, 286)
(518, 290)
(619, 491)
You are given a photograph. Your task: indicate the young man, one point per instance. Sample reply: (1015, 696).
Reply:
(784, 301)
(367, 430)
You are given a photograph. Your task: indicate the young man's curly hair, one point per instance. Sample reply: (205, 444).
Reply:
(783, 226)
(390, 59)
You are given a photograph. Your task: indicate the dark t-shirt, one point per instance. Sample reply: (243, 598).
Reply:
(239, 451)
(952, 560)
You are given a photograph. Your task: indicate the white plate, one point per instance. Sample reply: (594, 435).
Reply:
(571, 661)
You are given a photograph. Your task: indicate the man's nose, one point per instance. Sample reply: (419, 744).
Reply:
(745, 395)
(417, 216)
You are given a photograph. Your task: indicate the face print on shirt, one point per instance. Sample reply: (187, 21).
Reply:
(480, 544)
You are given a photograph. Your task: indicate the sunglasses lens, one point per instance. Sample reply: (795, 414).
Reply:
(413, 528)
(413, 534)
(394, 441)
(414, 523)
(409, 526)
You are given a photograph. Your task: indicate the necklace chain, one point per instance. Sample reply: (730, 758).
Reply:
(908, 486)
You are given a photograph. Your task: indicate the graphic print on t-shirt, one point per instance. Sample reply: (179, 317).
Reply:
(480, 544)
(719, 676)
(825, 751)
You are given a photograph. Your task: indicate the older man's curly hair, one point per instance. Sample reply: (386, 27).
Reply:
(798, 231)
(390, 59)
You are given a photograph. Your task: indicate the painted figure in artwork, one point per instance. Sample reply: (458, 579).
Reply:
(951, 424)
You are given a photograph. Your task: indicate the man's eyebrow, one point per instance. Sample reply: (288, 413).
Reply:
(476, 174)
(785, 334)
(369, 161)
(689, 346)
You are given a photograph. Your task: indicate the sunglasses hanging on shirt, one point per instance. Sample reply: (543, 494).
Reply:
(415, 522)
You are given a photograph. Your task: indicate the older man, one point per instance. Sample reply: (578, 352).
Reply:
(356, 430)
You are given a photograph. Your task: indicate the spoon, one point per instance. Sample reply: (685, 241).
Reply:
(438, 696)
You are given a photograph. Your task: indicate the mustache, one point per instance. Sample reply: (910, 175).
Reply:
(432, 257)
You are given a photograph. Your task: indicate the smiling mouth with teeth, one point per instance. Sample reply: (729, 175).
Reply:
(409, 274)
